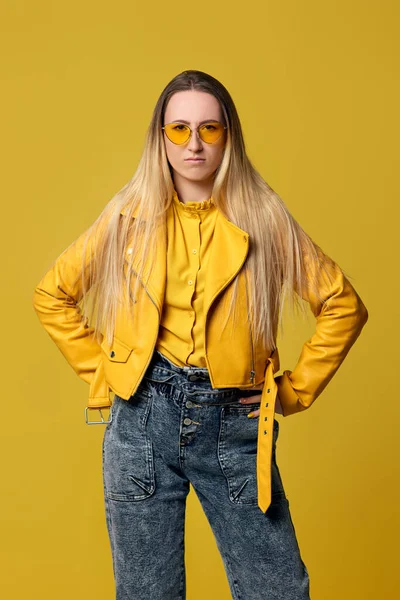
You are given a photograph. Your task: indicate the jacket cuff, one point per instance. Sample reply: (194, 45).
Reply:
(99, 402)
(288, 398)
(99, 391)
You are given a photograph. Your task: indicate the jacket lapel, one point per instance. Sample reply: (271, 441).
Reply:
(228, 253)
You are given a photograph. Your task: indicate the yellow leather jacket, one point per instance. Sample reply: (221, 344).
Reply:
(120, 367)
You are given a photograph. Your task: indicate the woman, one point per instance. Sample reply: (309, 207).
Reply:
(171, 300)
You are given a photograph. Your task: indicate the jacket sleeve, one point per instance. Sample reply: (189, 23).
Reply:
(56, 300)
(339, 321)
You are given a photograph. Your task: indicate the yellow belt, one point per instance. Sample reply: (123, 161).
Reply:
(265, 433)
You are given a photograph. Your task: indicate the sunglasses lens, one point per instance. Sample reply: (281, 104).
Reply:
(211, 132)
(178, 133)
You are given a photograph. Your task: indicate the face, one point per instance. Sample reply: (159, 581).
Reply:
(193, 107)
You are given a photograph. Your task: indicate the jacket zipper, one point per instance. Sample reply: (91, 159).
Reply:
(252, 371)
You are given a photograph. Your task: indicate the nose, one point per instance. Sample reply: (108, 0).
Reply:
(195, 142)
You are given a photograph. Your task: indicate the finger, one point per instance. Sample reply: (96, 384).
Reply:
(254, 413)
(251, 399)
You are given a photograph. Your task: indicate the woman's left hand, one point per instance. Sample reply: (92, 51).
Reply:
(257, 397)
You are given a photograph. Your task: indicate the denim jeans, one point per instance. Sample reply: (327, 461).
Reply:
(176, 430)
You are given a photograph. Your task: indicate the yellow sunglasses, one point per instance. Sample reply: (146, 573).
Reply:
(179, 133)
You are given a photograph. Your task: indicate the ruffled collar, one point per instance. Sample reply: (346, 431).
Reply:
(193, 206)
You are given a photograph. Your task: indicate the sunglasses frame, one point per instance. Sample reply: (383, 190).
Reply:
(191, 131)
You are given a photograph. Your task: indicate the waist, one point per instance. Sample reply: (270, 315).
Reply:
(191, 379)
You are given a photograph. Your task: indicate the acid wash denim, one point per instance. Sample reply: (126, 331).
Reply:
(176, 430)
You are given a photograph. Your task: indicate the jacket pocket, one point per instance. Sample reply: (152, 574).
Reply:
(117, 352)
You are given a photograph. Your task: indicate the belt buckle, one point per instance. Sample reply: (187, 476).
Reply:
(102, 422)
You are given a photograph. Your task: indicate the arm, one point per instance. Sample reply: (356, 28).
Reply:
(55, 301)
(339, 321)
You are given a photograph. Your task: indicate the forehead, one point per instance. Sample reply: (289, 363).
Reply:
(192, 106)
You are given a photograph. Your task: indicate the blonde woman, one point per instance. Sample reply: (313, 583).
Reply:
(171, 301)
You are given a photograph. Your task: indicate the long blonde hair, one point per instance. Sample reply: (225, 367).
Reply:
(283, 261)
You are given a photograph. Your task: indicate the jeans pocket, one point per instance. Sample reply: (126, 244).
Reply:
(128, 460)
(237, 453)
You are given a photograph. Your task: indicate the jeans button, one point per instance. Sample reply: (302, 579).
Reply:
(193, 378)
(187, 421)
(189, 404)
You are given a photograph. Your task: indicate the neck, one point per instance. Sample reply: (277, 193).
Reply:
(192, 191)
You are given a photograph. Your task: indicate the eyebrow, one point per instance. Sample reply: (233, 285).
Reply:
(188, 122)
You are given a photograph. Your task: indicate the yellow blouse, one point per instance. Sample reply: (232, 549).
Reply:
(190, 232)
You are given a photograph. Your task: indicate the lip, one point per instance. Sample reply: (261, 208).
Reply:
(195, 159)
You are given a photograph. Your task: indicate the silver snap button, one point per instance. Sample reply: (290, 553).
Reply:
(189, 404)
(187, 421)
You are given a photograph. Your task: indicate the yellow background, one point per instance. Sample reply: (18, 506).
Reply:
(316, 85)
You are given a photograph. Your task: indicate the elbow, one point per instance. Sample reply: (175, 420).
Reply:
(37, 303)
(362, 313)
(35, 299)
(359, 318)
(40, 301)
(365, 315)
(357, 308)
